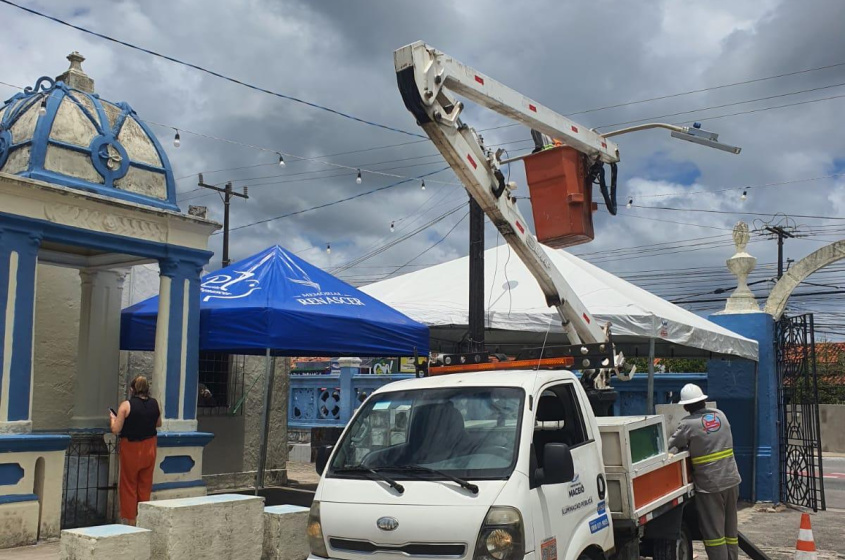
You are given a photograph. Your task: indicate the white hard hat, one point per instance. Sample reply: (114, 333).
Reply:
(692, 393)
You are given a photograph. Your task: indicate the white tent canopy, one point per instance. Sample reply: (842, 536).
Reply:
(517, 315)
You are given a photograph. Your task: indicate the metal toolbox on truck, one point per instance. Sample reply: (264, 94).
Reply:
(642, 479)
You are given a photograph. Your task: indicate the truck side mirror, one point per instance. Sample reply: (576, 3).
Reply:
(323, 453)
(558, 466)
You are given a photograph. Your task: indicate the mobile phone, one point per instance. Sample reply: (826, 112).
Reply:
(112, 411)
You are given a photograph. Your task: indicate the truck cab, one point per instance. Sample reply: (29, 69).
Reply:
(486, 466)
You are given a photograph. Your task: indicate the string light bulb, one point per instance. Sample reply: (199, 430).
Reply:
(391, 227)
(329, 248)
(177, 140)
(744, 195)
(422, 187)
(281, 161)
(630, 202)
(42, 110)
(358, 179)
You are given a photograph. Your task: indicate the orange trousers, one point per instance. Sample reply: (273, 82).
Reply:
(137, 461)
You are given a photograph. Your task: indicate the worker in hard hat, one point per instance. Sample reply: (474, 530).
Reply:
(706, 434)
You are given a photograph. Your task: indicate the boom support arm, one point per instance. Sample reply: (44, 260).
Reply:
(425, 77)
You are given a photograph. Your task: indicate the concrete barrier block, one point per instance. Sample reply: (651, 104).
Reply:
(222, 527)
(18, 523)
(106, 542)
(284, 533)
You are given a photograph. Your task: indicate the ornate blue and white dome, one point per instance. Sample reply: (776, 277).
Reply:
(61, 132)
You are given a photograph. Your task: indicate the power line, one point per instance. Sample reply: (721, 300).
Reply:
(658, 117)
(770, 108)
(279, 152)
(351, 264)
(432, 246)
(212, 72)
(734, 213)
(359, 195)
(745, 187)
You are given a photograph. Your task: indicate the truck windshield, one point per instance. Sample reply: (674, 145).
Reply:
(466, 432)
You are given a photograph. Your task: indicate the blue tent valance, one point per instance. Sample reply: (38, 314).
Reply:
(275, 300)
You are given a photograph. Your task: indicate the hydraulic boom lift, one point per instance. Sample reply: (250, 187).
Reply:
(428, 80)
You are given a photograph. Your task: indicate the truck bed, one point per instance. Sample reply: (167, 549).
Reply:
(643, 480)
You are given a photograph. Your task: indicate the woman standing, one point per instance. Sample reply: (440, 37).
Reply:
(136, 422)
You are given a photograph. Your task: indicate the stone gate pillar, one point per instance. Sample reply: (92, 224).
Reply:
(747, 391)
(98, 361)
(18, 262)
(178, 470)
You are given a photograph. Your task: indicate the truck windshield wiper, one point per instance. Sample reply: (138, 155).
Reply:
(392, 483)
(419, 468)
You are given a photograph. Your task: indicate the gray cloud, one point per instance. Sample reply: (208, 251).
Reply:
(568, 55)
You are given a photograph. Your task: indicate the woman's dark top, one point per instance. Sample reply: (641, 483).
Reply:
(142, 419)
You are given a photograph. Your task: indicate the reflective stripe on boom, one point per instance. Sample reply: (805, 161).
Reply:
(713, 457)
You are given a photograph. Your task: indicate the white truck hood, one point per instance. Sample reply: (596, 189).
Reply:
(435, 518)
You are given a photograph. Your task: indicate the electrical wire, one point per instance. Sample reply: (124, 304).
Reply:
(744, 187)
(211, 72)
(735, 213)
(435, 244)
(383, 248)
(659, 117)
(327, 204)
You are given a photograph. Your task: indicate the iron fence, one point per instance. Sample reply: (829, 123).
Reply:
(89, 487)
(221, 384)
(802, 476)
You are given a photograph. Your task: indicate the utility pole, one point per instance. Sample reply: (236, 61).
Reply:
(476, 277)
(781, 234)
(228, 193)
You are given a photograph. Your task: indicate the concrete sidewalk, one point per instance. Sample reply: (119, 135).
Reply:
(775, 531)
(40, 551)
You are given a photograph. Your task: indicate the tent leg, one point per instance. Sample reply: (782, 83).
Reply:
(265, 420)
(650, 389)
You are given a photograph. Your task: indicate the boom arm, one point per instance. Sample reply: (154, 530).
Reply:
(425, 77)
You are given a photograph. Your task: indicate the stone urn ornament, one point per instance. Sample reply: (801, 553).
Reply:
(741, 264)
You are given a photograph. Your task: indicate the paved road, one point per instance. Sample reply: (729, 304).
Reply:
(834, 482)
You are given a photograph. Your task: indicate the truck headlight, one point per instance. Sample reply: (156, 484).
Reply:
(501, 536)
(314, 530)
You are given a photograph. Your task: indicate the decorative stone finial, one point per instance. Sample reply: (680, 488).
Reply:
(741, 236)
(74, 76)
(741, 265)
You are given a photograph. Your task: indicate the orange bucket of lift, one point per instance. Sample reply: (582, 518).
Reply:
(561, 199)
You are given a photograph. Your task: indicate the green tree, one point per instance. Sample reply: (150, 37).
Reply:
(671, 365)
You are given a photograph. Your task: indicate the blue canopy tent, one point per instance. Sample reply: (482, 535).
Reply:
(275, 303)
(278, 302)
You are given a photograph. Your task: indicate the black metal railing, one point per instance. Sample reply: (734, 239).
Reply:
(89, 489)
(221, 384)
(802, 476)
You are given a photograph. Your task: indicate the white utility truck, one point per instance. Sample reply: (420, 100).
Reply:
(517, 463)
(500, 465)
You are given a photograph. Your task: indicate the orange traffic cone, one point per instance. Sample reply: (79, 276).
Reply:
(805, 549)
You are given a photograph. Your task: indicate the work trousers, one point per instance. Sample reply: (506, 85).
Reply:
(717, 519)
(137, 462)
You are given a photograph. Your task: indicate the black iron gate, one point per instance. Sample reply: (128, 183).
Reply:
(801, 479)
(89, 489)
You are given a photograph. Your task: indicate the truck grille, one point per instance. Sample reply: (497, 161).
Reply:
(454, 550)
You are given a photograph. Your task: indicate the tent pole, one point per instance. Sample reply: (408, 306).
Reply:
(265, 420)
(650, 390)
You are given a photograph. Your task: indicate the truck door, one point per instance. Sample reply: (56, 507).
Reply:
(569, 516)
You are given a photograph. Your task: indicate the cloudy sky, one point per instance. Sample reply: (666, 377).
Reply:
(575, 57)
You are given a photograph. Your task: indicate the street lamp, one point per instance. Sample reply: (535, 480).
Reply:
(693, 134)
